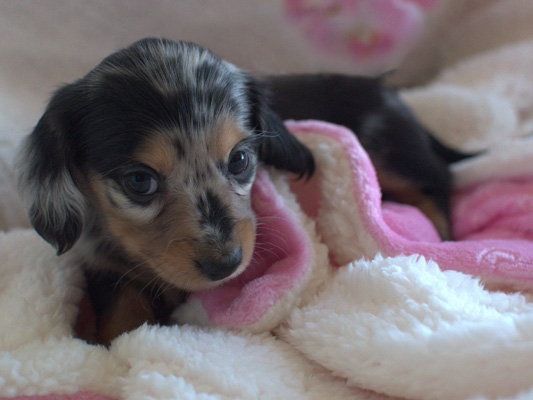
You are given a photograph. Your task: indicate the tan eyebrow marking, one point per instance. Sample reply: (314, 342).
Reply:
(225, 138)
(159, 153)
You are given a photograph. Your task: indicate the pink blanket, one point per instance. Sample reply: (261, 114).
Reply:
(492, 223)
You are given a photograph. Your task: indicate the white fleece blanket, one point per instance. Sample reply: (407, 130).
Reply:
(399, 326)
(394, 325)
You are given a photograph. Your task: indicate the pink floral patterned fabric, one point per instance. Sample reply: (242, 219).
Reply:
(374, 34)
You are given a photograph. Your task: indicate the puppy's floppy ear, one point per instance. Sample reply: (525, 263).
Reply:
(55, 205)
(277, 146)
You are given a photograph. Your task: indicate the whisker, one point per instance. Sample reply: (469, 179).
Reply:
(128, 272)
(273, 235)
(266, 250)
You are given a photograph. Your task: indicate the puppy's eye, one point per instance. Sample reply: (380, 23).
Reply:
(238, 162)
(141, 182)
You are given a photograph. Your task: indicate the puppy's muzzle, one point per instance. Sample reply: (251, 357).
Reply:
(220, 267)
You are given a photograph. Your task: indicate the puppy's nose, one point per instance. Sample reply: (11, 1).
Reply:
(221, 267)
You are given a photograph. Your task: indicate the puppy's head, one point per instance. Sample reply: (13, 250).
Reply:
(156, 150)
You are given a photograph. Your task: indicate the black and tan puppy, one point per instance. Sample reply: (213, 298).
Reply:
(143, 168)
(411, 166)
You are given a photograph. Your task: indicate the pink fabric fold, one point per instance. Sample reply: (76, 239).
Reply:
(502, 249)
(500, 209)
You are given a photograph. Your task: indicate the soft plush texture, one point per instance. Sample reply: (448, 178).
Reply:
(356, 318)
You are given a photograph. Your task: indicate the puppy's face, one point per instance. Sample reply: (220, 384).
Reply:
(155, 151)
(181, 204)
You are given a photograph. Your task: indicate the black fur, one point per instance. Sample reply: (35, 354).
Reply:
(277, 146)
(215, 214)
(385, 127)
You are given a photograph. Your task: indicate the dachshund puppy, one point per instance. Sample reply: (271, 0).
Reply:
(143, 168)
(411, 166)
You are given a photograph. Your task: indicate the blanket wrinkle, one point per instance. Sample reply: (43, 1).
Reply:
(190, 358)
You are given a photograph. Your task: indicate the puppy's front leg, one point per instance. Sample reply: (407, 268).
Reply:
(129, 310)
(111, 307)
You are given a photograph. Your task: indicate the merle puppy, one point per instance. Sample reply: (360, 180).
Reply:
(143, 168)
